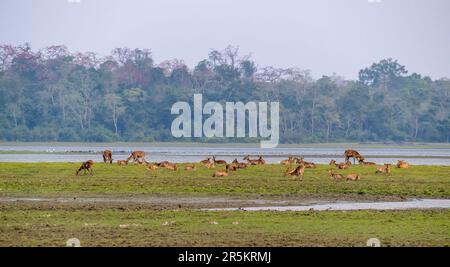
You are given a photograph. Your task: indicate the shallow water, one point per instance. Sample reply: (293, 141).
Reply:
(56, 153)
(348, 206)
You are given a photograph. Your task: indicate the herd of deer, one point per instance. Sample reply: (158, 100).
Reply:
(211, 162)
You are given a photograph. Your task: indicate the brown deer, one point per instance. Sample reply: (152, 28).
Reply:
(206, 161)
(86, 166)
(240, 165)
(335, 176)
(333, 163)
(107, 156)
(171, 166)
(220, 173)
(218, 162)
(384, 169)
(353, 177)
(366, 163)
(250, 161)
(308, 165)
(288, 161)
(122, 162)
(190, 167)
(231, 167)
(210, 165)
(299, 171)
(261, 161)
(152, 167)
(403, 164)
(352, 154)
(137, 156)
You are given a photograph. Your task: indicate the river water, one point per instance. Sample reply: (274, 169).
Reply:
(68, 153)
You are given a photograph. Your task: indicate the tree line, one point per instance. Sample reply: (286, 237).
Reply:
(53, 94)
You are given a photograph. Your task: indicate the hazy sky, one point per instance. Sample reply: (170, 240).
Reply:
(324, 36)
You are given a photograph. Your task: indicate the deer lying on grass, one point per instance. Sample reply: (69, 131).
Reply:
(384, 169)
(210, 165)
(251, 161)
(335, 176)
(107, 156)
(206, 161)
(240, 165)
(352, 154)
(137, 156)
(403, 164)
(298, 171)
(190, 167)
(288, 161)
(308, 165)
(353, 177)
(218, 162)
(122, 162)
(364, 163)
(86, 167)
(220, 173)
(231, 167)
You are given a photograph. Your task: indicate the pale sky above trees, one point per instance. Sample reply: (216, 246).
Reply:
(324, 36)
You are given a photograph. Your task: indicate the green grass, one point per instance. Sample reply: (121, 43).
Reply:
(58, 179)
(96, 226)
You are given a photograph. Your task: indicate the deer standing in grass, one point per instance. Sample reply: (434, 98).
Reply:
(137, 156)
(86, 167)
(107, 156)
(352, 154)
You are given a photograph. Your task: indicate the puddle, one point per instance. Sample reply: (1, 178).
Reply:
(348, 206)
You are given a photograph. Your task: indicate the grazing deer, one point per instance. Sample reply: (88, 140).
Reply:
(364, 163)
(352, 154)
(240, 165)
(122, 162)
(206, 161)
(335, 176)
(137, 156)
(308, 165)
(299, 171)
(190, 168)
(86, 166)
(220, 173)
(353, 177)
(403, 164)
(219, 162)
(250, 161)
(384, 169)
(107, 156)
(231, 167)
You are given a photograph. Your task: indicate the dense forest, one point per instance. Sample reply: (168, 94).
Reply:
(55, 95)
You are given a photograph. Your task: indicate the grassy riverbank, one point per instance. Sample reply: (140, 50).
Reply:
(58, 179)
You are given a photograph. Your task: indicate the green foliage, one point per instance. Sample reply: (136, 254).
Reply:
(53, 95)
